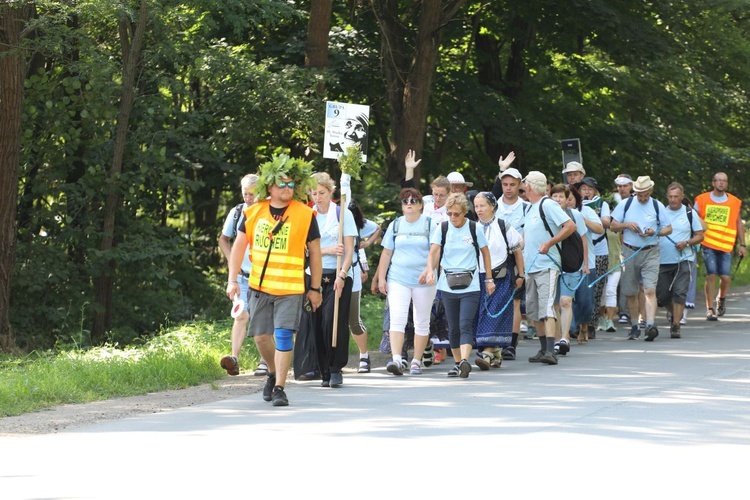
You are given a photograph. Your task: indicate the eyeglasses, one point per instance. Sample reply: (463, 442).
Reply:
(454, 214)
(289, 184)
(409, 201)
(439, 196)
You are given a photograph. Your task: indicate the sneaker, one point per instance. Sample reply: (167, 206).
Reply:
(279, 397)
(683, 320)
(524, 326)
(563, 347)
(231, 365)
(674, 332)
(483, 361)
(325, 383)
(601, 325)
(721, 307)
(454, 372)
(641, 325)
(624, 319)
(428, 357)
(262, 370)
(711, 316)
(635, 332)
(364, 365)
(509, 353)
(268, 388)
(548, 358)
(394, 367)
(416, 367)
(611, 326)
(336, 379)
(464, 368)
(651, 333)
(530, 333)
(537, 358)
(404, 364)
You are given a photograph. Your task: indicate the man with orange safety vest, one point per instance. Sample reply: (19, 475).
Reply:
(721, 212)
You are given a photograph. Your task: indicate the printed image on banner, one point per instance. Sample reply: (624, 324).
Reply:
(346, 125)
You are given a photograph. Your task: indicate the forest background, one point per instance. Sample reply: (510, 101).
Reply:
(126, 125)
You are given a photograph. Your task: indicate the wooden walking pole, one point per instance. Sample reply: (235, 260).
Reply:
(350, 162)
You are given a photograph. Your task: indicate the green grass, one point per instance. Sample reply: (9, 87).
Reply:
(180, 357)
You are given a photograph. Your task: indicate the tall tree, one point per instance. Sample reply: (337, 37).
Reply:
(14, 19)
(131, 40)
(409, 60)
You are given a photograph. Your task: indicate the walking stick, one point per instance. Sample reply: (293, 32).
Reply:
(350, 162)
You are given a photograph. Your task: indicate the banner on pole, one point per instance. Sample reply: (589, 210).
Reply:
(346, 125)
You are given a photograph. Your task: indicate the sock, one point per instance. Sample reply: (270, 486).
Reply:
(365, 355)
(397, 358)
(550, 344)
(543, 342)
(514, 340)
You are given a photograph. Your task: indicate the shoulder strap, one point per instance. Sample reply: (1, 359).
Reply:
(627, 206)
(689, 213)
(236, 217)
(501, 223)
(656, 209)
(546, 225)
(473, 231)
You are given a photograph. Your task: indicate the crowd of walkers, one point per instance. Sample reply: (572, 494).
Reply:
(466, 273)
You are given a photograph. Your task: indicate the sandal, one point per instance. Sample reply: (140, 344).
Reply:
(582, 338)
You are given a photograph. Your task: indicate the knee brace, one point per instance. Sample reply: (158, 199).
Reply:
(284, 339)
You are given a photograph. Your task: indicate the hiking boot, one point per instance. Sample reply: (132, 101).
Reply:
(262, 370)
(268, 388)
(634, 333)
(364, 365)
(674, 332)
(483, 361)
(394, 367)
(454, 372)
(509, 353)
(279, 397)
(721, 307)
(537, 358)
(231, 365)
(710, 315)
(464, 368)
(651, 333)
(548, 358)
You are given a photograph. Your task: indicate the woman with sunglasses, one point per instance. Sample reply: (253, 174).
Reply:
(337, 281)
(494, 330)
(403, 262)
(457, 246)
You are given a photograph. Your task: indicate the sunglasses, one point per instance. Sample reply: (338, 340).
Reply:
(454, 214)
(289, 184)
(409, 201)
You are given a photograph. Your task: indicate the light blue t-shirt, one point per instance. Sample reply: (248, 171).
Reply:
(230, 231)
(668, 254)
(459, 254)
(644, 215)
(329, 234)
(588, 213)
(534, 234)
(410, 247)
(369, 228)
(601, 248)
(514, 214)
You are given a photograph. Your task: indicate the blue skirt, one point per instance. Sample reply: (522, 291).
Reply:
(489, 331)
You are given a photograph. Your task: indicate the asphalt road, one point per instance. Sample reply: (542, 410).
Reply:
(615, 418)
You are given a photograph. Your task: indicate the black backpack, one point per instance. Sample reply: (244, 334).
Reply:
(571, 248)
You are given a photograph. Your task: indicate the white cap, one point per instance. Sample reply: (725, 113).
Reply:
(537, 178)
(457, 178)
(512, 172)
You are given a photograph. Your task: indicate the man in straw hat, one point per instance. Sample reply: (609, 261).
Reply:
(640, 218)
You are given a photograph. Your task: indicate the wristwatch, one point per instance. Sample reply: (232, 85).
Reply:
(318, 289)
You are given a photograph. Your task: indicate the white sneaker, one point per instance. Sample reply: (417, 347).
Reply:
(524, 326)
(601, 325)
(683, 321)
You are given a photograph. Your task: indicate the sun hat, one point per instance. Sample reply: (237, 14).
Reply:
(643, 183)
(457, 178)
(574, 166)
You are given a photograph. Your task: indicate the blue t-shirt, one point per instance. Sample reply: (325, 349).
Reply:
(230, 231)
(601, 248)
(588, 213)
(459, 254)
(513, 215)
(329, 234)
(642, 214)
(369, 228)
(534, 234)
(410, 247)
(668, 254)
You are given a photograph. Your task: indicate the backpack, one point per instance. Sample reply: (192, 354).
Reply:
(472, 230)
(428, 223)
(236, 218)
(571, 248)
(656, 209)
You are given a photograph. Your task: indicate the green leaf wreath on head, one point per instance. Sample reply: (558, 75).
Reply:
(283, 165)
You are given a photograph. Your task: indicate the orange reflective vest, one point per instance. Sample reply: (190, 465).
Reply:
(721, 220)
(285, 265)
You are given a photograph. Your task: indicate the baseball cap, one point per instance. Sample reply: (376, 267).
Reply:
(537, 178)
(513, 172)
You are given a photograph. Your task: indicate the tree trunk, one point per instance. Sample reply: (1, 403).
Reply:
(409, 73)
(318, 28)
(131, 54)
(13, 20)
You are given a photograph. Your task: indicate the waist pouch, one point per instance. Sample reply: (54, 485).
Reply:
(458, 280)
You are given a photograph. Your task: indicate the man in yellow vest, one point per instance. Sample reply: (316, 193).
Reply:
(721, 212)
(278, 230)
